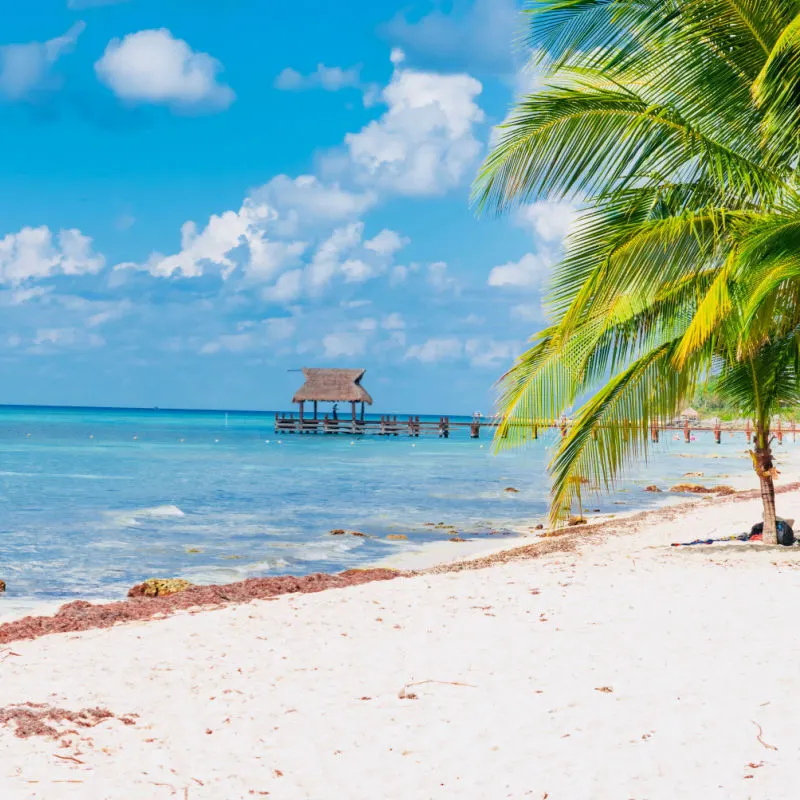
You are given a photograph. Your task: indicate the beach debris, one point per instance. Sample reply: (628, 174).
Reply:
(40, 719)
(652, 488)
(691, 488)
(193, 550)
(338, 532)
(2, 586)
(511, 490)
(724, 490)
(397, 537)
(604, 689)
(159, 587)
(457, 539)
(404, 694)
(760, 736)
(694, 475)
(539, 527)
(574, 521)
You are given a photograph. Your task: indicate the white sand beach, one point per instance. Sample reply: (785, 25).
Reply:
(624, 669)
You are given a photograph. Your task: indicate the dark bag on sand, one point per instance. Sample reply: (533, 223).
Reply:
(785, 532)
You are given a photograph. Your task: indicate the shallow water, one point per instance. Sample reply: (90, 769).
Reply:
(93, 501)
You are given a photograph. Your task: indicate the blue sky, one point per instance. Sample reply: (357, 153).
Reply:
(199, 197)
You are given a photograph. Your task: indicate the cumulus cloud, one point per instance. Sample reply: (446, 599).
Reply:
(328, 258)
(549, 221)
(286, 289)
(436, 349)
(255, 237)
(475, 34)
(439, 279)
(490, 353)
(27, 68)
(344, 343)
(152, 66)
(386, 243)
(529, 272)
(425, 143)
(33, 254)
(307, 202)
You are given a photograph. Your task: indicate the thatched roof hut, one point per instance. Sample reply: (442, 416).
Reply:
(333, 386)
(690, 413)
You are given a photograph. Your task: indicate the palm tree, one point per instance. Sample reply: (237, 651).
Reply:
(676, 124)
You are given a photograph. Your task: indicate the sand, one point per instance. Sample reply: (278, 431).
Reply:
(623, 669)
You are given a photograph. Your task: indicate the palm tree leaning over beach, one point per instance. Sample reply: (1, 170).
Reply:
(675, 124)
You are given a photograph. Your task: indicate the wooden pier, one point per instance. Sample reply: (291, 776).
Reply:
(414, 427)
(343, 386)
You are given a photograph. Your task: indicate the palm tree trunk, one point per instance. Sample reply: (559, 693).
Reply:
(764, 467)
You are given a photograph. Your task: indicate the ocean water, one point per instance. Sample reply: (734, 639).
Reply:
(95, 500)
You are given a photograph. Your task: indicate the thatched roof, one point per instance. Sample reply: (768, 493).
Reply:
(333, 386)
(690, 413)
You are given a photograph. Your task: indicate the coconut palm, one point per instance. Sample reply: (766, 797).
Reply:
(676, 125)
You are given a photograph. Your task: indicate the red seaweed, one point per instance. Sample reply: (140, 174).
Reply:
(80, 615)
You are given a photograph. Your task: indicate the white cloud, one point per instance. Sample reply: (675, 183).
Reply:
(436, 349)
(439, 279)
(393, 322)
(286, 289)
(529, 272)
(47, 338)
(306, 202)
(344, 343)
(528, 312)
(327, 260)
(284, 207)
(367, 324)
(77, 257)
(386, 243)
(357, 271)
(549, 221)
(479, 34)
(332, 79)
(21, 296)
(489, 353)
(355, 303)
(398, 275)
(424, 144)
(32, 254)
(152, 66)
(26, 68)
(251, 336)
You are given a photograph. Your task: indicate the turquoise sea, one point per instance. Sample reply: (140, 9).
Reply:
(95, 500)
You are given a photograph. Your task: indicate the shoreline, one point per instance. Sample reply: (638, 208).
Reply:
(585, 664)
(79, 615)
